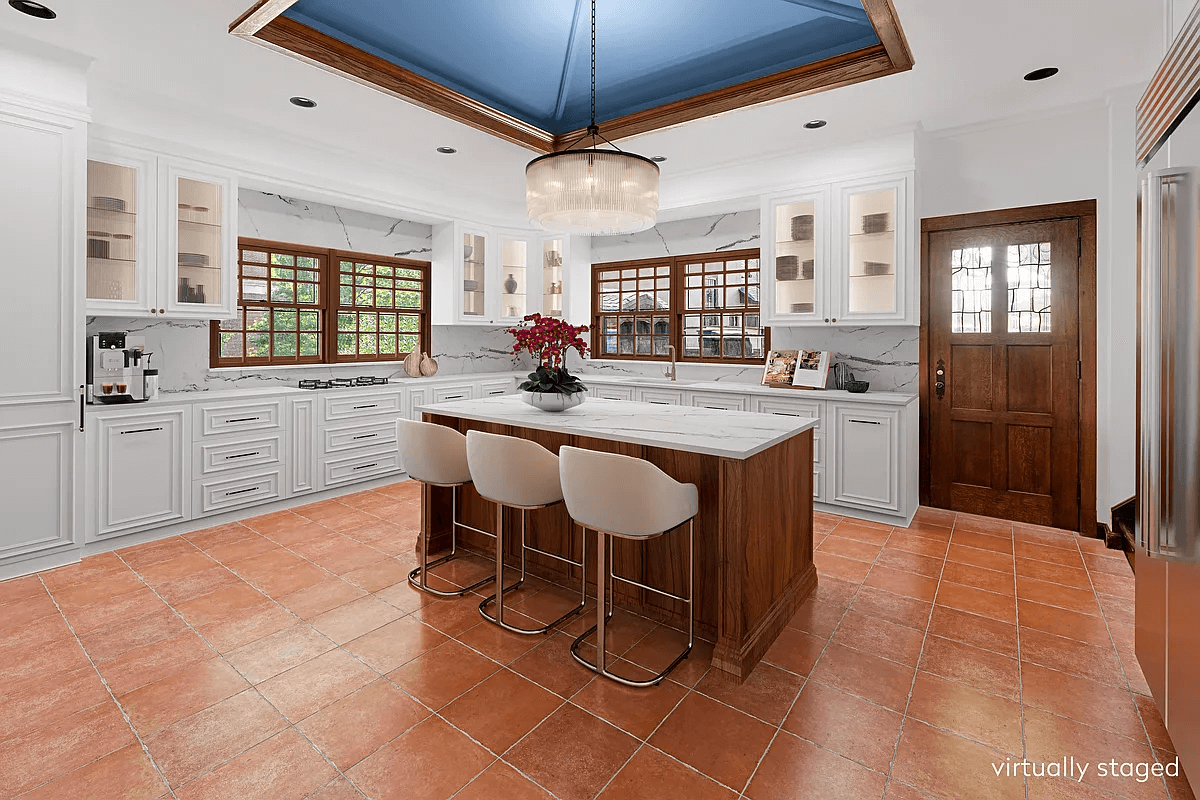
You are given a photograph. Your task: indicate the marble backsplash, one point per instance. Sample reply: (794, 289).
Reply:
(888, 356)
(181, 346)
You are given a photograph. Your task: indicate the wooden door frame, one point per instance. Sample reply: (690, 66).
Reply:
(1085, 212)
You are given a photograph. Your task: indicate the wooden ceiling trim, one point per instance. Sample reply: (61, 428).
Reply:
(265, 24)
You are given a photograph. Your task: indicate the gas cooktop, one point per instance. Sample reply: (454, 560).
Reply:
(343, 383)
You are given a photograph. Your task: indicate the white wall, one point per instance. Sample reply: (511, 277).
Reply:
(1081, 153)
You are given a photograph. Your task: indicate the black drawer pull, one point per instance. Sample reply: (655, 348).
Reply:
(142, 430)
(453, 396)
(366, 466)
(865, 422)
(243, 491)
(366, 436)
(242, 419)
(242, 455)
(372, 405)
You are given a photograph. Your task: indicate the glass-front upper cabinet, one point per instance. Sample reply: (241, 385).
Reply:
(474, 276)
(120, 234)
(871, 249)
(795, 258)
(552, 278)
(200, 278)
(514, 277)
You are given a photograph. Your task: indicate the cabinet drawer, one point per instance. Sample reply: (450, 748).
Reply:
(494, 388)
(356, 437)
(219, 419)
(453, 391)
(729, 402)
(360, 466)
(666, 397)
(814, 409)
(221, 494)
(216, 457)
(612, 392)
(356, 405)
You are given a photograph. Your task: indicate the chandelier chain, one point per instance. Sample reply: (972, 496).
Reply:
(593, 63)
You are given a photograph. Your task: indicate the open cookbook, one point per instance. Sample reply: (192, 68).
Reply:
(801, 368)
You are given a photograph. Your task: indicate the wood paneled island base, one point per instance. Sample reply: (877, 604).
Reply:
(754, 532)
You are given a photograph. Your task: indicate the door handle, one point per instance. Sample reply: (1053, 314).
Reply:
(939, 379)
(81, 395)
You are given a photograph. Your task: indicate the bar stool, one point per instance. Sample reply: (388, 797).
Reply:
(629, 498)
(519, 474)
(437, 455)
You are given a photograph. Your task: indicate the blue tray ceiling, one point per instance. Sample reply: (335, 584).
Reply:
(530, 58)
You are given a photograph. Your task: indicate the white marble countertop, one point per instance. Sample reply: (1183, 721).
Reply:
(714, 432)
(886, 398)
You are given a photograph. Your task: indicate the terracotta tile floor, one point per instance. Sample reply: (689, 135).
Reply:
(285, 657)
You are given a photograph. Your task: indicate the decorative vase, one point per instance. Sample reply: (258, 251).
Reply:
(510, 285)
(428, 366)
(553, 401)
(412, 365)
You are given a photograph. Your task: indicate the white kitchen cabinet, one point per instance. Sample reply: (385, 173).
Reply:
(495, 387)
(43, 174)
(215, 495)
(162, 236)
(842, 253)
(239, 416)
(139, 462)
(460, 390)
(491, 276)
(722, 400)
(416, 397)
(666, 397)
(302, 457)
(609, 392)
(354, 405)
(809, 409)
(222, 457)
(553, 259)
(866, 464)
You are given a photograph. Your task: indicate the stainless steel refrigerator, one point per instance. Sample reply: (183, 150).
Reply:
(1167, 561)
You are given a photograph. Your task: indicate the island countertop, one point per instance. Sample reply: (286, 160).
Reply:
(715, 432)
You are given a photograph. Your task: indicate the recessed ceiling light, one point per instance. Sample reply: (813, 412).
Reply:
(659, 159)
(446, 150)
(1042, 74)
(32, 9)
(302, 102)
(813, 124)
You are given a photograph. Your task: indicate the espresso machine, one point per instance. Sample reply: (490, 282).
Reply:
(118, 369)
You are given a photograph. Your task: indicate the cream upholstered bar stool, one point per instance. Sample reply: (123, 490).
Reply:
(437, 455)
(520, 474)
(629, 498)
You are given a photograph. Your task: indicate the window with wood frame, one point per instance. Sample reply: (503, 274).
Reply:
(307, 305)
(706, 305)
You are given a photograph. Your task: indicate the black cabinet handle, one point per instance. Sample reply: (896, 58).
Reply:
(142, 430)
(865, 421)
(81, 393)
(365, 466)
(242, 419)
(242, 491)
(372, 405)
(242, 455)
(365, 436)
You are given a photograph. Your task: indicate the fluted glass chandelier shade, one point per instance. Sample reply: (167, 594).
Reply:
(592, 192)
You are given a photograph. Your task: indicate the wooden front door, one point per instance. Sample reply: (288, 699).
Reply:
(1004, 410)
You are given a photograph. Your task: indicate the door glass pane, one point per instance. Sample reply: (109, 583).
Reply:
(795, 258)
(872, 248)
(199, 215)
(513, 265)
(552, 278)
(473, 277)
(1029, 287)
(111, 232)
(971, 290)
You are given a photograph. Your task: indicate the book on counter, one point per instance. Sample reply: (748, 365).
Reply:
(807, 369)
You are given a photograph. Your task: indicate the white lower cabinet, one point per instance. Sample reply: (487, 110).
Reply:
(665, 397)
(359, 466)
(302, 460)
(801, 407)
(455, 391)
(414, 399)
(721, 400)
(214, 495)
(496, 387)
(139, 465)
(611, 392)
(866, 466)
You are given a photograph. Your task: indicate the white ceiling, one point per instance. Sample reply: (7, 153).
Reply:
(174, 60)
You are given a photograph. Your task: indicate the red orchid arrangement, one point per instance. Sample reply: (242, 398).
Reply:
(548, 339)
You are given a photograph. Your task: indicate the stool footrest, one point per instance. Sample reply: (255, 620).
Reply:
(420, 582)
(527, 631)
(657, 679)
(659, 592)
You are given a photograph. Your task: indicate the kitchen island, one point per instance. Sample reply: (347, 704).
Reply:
(754, 536)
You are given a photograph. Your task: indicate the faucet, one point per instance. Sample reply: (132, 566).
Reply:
(670, 372)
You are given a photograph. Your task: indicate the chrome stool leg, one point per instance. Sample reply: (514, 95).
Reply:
(604, 570)
(418, 577)
(498, 598)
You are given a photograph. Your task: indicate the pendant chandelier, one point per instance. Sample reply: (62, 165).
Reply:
(590, 191)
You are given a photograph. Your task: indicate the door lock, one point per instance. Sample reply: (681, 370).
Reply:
(939, 380)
